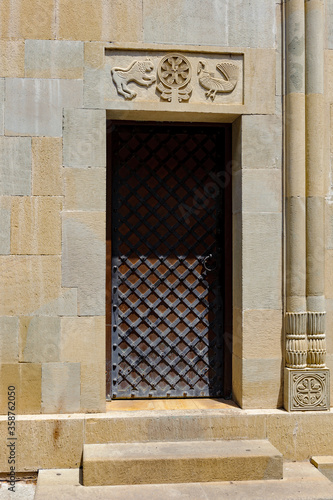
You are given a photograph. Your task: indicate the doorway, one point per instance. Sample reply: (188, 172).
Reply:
(168, 261)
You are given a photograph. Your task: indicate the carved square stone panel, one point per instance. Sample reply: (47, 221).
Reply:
(307, 389)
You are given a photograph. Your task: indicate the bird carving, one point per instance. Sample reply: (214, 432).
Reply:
(215, 84)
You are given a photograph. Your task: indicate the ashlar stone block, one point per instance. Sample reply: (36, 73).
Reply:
(53, 59)
(100, 20)
(261, 141)
(63, 305)
(34, 106)
(9, 339)
(39, 339)
(15, 166)
(329, 23)
(83, 341)
(2, 104)
(83, 262)
(307, 389)
(26, 378)
(36, 225)
(45, 442)
(12, 58)
(28, 282)
(47, 166)
(33, 19)
(60, 387)
(262, 266)
(262, 383)
(85, 189)
(251, 24)
(84, 138)
(5, 213)
(187, 22)
(260, 81)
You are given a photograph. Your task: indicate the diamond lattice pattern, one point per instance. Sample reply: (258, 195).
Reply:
(167, 309)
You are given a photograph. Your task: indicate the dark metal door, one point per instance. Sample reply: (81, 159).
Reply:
(167, 261)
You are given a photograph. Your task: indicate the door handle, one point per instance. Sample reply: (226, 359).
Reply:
(210, 263)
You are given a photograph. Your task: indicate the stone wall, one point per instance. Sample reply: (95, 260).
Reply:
(52, 190)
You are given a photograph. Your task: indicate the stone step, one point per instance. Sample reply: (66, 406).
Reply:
(180, 462)
(175, 425)
(301, 481)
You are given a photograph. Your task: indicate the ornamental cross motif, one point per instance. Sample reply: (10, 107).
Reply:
(175, 73)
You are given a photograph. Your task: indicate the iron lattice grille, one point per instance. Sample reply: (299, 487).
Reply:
(167, 309)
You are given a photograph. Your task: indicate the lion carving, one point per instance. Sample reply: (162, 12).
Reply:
(137, 72)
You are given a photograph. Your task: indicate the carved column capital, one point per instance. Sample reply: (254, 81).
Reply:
(316, 339)
(296, 343)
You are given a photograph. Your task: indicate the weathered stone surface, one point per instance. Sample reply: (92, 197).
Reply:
(34, 106)
(9, 346)
(83, 341)
(27, 283)
(15, 165)
(328, 62)
(44, 441)
(46, 166)
(180, 462)
(39, 339)
(262, 261)
(260, 81)
(85, 189)
(94, 88)
(258, 334)
(261, 141)
(329, 23)
(251, 24)
(83, 263)
(26, 378)
(12, 58)
(260, 190)
(60, 387)
(84, 138)
(329, 274)
(300, 481)
(174, 425)
(100, 20)
(2, 104)
(20, 19)
(299, 435)
(36, 225)
(53, 59)
(5, 212)
(191, 22)
(64, 305)
(94, 55)
(262, 383)
(187, 22)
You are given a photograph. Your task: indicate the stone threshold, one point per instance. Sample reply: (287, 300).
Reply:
(170, 404)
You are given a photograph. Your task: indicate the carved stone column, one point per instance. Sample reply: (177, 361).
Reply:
(315, 192)
(306, 375)
(296, 317)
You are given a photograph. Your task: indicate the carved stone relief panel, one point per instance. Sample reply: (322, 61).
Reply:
(307, 389)
(171, 78)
